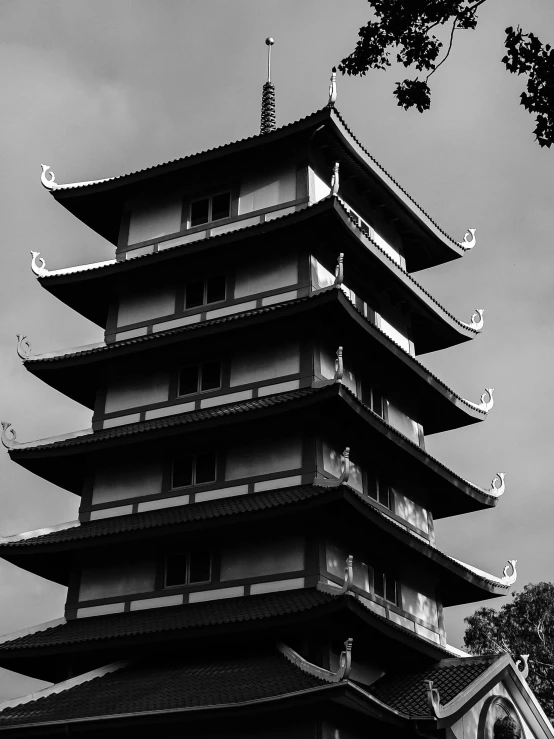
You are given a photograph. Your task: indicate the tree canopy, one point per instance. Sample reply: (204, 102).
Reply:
(408, 26)
(523, 626)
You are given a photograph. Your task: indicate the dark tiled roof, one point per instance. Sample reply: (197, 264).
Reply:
(175, 331)
(172, 516)
(406, 692)
(180, 419)
(148, 687)
(266, 137)
(175, 618)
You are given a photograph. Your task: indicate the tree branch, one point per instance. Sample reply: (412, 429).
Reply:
(449, 49)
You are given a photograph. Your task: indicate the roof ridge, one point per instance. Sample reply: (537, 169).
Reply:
(55, 187)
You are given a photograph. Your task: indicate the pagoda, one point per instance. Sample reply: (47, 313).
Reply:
(255, 552)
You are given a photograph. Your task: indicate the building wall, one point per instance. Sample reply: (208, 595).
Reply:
(262, 558)
(411, 511)
(117, 578)
(419, 605)
(270, 274)
(153, 217)
(401, 422)
(265, 363)
(267, 189)
(145, 304)
(264, 457)
(123, 480)
(130, 390)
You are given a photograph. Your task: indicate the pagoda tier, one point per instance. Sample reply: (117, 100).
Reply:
(331, 511)
(322, 139)
(252, 445)
(304, 245)
(83, 372)
(84, 644)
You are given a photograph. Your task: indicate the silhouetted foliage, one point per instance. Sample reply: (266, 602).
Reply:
(407, 26)
(524, 626)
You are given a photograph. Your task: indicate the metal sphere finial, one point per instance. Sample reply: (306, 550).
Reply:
(270, 41)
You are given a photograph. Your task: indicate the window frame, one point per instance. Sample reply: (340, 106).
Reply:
(199, 367)
(387, 579)
(210, 199)
(205, 302)
(194, 456)
(187, 553)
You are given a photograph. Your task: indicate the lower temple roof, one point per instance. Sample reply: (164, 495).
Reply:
(185, 684)
(166, 687)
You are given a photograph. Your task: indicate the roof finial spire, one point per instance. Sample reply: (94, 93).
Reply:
(268, 96)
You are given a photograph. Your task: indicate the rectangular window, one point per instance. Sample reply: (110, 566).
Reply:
(198, 378)
(379, 491)
(207, 210)
(197, 469)
(385, 587)
(205, 291)
(187, 568)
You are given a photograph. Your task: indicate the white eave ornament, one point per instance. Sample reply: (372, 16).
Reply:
(48, 178)
(38, 269)
(469, 239)
(476, 320)
(497, 490)
(509, 579)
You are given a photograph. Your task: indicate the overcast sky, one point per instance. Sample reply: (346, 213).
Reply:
(99, 88)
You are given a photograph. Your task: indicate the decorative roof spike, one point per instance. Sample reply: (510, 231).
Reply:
(522, 664)
(469, 239)
(345, 466)
(335, 180)
(24, 348)
(9, 437)
(433, 698)
(339, 270)
(509, 579)
(345, 660)
(333, 589)
(495, 490)
(38, 269)
(333, 88)
(487, 405)
(48, 178)
(268, 122)
(339, 365)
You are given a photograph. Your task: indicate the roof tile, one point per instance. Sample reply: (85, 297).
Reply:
(406, 692)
